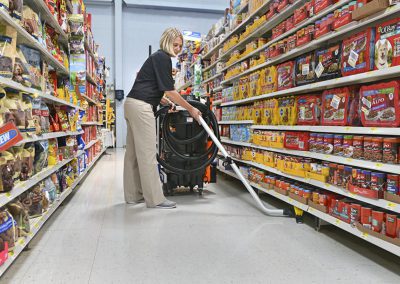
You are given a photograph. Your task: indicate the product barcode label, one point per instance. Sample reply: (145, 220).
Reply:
(305, 69)
(353, 57)
(301, 144)
(335, 102)
(366, 102)
(318, 71)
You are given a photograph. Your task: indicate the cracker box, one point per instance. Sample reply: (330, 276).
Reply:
(305, 69)
(327, 63)
(285, 75)
(357, 53)
(380, 104)
(387, 46)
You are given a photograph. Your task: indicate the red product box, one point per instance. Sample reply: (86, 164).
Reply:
(282, 5)
(357, 53)
(321, 30)
(285, 75)
(309, 111)
(366, 217)
(366, 192)
(305, 35)
(391, 222)
(297, 140)
(342, 21)
(300, 15)
(377, 221)
(321, 5)
(380, 105)
(289, 23)
(339, 107)
(387, 46)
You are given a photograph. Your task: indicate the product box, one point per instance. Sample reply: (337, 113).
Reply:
(327, 63)
(395, 241)
(298, 198)
(321, 5)
(392, 197)
(268, 80)
(369, 9)
(285, 75)
(305, 69)
(308, 110)
(380, 104)
(280, 191)
(339, 107)
(296, 140)
(318, 207)
(387, 46)
(357, 53)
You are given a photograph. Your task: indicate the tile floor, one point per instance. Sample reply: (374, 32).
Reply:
(220, 238)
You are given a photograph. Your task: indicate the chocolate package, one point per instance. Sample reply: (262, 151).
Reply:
(305, 69)
(327, 63)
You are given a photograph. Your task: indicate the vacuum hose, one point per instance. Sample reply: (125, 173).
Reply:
(208, 119)
(172, 142)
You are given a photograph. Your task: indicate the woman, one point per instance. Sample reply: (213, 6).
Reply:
(141, 178)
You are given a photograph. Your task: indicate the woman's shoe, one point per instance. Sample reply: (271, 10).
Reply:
(167, 204)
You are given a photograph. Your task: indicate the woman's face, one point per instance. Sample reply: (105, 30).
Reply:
(177, 45)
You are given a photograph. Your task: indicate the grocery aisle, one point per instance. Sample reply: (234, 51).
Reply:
(221, 238)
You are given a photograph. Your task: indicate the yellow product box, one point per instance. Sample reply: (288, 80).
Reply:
(293, 172)
(319, 177)
(287, 111)
(259, 157)
(268, 80)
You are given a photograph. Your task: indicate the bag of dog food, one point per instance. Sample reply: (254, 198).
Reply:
(41, 156)
(13, 102)
(27, 106)
(380, 104)
(7, 230)
(8, 41)
(268, 80)
(305, 70)
(21, 217)
(53, 152)
(387, 46)
(76, 24)
(28, 156)
(34, 60)
(357, 53)
(21, 69)
(16, 7)
(44, 118)
(50, 190)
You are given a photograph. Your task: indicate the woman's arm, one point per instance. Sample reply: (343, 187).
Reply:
(177, 99)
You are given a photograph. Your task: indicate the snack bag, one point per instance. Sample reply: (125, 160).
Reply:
(309, 111)
(36, 115)
(53, 152)
(287, 110)
(17, 151)
(27, 107)
(76, 25)
(253, 84)
(380, 104)
(44, 118)
(41, 156)
(21, 217)
(16, 7)
(34, 60)
(357, 53)
(244, 87)
(268, 80)
(28, 156)
(6, 171)
(30, 21)
(7, 230)
(387, 46)
(8, 41)
(13, 102)
(50, 190)
(285, 75)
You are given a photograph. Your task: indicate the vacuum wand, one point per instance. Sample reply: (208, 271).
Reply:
(267, 211)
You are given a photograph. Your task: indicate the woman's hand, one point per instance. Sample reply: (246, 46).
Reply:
(195, 113)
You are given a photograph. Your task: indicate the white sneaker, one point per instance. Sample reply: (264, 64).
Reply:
(167, 204)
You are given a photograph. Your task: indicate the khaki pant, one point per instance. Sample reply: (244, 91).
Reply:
(141, 176)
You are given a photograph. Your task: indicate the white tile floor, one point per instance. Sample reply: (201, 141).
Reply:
(220, 238)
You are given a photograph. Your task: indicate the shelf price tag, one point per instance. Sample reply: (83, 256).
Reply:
(337, 221)
(379, 165)
(391, 205)
(364, 236)
(8, 195)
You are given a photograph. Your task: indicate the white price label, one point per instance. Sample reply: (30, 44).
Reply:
(318, 71)
(305, 69)
(366, 102)
(353, 57)
(335, 102)
(364, 110)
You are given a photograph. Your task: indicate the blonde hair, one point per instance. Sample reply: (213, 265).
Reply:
(167, 40)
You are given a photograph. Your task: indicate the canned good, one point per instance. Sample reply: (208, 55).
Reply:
(348, 146)
(377, 149)
(328, 143)
(312, 142)
(368, 148)
(338, 145)
(358, 147)
(365, 182)
(377, 181)
(392, 184)
(390, 150)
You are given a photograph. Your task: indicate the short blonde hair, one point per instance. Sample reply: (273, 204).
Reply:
(167, 40)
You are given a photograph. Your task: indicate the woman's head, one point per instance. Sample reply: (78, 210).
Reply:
(171, 41)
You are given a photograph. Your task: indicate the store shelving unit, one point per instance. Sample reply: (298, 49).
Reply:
(185, 86)
(23, 37)
(326, 217)
(236, 122)
(91, 143)
(217, 102)
(51, 135)
(212, 78)
(211, 66)
(37, 223)
(91, 123)
(218, 89)
(90, 100)
(90, 79)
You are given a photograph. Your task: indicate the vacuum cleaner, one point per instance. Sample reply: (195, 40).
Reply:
(186, 148)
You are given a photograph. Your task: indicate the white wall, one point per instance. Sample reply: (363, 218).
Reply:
(140, 28)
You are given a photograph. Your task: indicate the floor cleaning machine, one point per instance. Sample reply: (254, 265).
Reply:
(186, 148)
